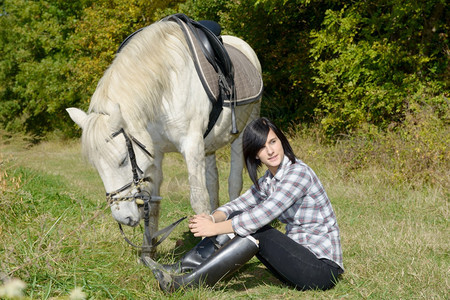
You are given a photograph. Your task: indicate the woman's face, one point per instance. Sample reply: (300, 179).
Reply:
(272, 153)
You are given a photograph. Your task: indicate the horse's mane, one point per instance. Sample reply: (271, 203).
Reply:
(136, 80)
(139, 73)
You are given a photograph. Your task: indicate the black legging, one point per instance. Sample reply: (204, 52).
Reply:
(292, 263)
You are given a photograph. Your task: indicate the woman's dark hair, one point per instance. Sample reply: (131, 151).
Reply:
(254, 138)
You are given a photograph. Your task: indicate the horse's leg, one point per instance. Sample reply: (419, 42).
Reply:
(237, 159)
(157, 178)
(153, 226)
(212, 180)
(236, 167)
(193, 151)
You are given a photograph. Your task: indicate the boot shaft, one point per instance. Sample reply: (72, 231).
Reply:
(233, 255)
(197, 255)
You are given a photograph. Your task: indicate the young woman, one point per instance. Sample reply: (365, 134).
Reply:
(308, 256)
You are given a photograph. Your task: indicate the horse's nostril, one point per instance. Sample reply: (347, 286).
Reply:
(130, 222)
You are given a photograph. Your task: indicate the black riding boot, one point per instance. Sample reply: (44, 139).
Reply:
(226, 260)
(197, 255)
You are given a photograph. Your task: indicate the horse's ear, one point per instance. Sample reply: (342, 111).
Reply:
(115, 122)
(77, 115)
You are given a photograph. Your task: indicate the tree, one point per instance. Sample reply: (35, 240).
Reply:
(345, 64)
(34, 62)
(372, 57)
(53, 53)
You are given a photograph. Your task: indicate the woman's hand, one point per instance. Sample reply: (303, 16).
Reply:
(202, 225)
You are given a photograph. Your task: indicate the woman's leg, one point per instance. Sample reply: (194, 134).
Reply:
(292, 263)
(197, 255)
(230, 257)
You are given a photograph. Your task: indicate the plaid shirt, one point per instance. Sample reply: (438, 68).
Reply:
(297, 198)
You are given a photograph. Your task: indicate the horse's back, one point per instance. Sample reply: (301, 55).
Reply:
(244, 48)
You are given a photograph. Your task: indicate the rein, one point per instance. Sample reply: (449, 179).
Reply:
(141, 198)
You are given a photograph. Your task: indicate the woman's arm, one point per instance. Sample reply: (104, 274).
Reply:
(203, 225)
(290, 189)
(242, 203)
(210, 225)
(218, 216)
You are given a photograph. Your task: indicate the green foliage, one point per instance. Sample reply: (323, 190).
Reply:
(415, 153)
(345, 65)
(53, 53)
(32, 63)
(371, 57)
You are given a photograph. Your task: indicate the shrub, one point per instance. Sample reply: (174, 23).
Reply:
(369, 62)
(414, 152)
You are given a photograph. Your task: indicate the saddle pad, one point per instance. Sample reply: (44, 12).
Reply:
(247, 79)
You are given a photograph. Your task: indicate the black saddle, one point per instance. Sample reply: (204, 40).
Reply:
(213, 46)
(208, 33)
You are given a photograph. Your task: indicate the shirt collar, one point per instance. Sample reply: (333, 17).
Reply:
(280, 172)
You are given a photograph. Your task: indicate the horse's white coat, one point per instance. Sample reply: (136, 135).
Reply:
(153, 91)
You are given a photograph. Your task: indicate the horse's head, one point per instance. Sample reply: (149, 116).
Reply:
(121, 159)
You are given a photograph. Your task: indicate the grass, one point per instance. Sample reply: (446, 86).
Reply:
(57, 232)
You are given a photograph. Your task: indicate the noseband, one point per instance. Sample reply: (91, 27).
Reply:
(141, 198)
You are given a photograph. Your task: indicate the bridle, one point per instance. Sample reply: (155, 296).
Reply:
(141, 198)
(137, 181)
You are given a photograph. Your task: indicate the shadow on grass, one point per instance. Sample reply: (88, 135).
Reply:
(252, 275)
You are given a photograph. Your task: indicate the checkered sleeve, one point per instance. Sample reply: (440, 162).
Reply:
(292, 187)
(243, 202)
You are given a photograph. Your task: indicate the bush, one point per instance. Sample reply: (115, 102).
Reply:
(369, 62)
(414, 152)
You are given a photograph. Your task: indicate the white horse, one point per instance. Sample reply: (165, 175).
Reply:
(152, 94)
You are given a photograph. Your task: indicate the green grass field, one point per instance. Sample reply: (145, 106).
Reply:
(58, 235)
